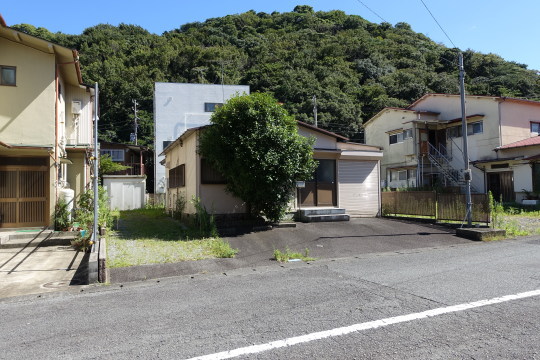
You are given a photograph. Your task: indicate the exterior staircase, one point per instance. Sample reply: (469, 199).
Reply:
(442, 162)
(322, 215)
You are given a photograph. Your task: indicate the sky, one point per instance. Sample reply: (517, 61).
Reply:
(506, 28)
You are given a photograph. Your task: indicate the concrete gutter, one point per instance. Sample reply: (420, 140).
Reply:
(103, 271)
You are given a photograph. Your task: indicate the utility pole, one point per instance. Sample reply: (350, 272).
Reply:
(136, 119)
(96, 160)
(314, 99)
(466, 169)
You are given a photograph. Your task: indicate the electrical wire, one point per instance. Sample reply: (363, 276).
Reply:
(433, 16)
(367, 7)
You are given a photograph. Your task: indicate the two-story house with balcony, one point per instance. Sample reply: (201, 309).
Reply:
(45, 128)
(423, 143)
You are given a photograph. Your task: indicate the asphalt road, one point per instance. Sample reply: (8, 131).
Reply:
(190, 316)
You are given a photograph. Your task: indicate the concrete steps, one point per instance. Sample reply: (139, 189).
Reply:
(322, 215)
(36, 238)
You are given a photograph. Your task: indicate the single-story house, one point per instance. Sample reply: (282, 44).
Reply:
(347, 177)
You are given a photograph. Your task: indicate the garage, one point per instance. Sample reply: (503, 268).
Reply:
(358, 187)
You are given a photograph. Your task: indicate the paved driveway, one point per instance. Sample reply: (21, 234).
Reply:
(324, 241)
(343, 239)
(36, 269)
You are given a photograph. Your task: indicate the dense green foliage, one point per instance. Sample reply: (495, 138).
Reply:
(254, 143)
(108, 166)
(353, 66)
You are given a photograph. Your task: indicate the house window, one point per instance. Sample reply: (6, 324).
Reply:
(177, 176)
(472, 129)
(115, 154)
(209, 175)
(166, 143)
(398, 137)
(211, 107)
(475, 128)
(535, 127)
(402, 175)
(8, 75)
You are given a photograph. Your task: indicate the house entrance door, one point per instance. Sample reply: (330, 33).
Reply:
(321, 189)
(423, 141)
(501, 184)
(23, 196)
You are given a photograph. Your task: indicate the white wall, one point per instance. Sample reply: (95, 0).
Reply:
(126, 192)
(178, 107)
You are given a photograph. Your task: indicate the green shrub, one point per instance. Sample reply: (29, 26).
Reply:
(203, 221)
(61, 215)
(84, 213)
(179, 207)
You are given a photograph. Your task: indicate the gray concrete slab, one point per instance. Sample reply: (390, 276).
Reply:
(38, 269)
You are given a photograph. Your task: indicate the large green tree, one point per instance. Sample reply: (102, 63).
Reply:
(254, 143)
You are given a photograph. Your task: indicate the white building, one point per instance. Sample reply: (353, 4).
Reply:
(178, 107)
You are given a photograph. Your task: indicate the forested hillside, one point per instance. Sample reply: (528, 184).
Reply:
(353, 67)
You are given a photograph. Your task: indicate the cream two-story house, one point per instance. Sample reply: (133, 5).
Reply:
(423, 143)
(45, 128)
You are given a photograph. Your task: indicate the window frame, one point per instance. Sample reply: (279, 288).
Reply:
(110, 153)
(407, 134)
(14, 68)
(177, 177)
(211, 106)
(533, 123)
(457, 131)
(471, 128)
(400, 136)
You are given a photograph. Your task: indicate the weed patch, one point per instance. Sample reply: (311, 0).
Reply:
(284, 256)
(150, 236)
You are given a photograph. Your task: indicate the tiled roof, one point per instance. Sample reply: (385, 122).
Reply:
(521, 143)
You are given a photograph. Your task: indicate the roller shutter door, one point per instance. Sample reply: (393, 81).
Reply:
(359, 187)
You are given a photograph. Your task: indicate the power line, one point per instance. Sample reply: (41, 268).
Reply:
(367, 7)
(430, 13)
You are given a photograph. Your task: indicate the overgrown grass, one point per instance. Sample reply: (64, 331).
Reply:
(150, 236)
(284, 256)
(516, 219)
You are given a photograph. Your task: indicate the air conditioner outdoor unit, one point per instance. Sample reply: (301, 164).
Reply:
(76, 107)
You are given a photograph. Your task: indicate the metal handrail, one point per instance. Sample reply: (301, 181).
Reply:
(436, 157)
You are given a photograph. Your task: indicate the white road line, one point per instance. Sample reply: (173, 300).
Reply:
(362, 326)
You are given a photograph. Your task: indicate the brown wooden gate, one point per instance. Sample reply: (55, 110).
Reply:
(23, 196)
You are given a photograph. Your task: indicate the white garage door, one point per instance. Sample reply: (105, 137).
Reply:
(359, 187)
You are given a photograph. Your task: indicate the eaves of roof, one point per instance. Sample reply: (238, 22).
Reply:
(322, 131)
(532, 141)
(64, 56)
(421, 112)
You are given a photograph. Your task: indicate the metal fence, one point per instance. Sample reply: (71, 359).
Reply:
(441, 207)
